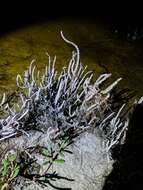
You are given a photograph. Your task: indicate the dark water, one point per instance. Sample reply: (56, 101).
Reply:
(100, 49)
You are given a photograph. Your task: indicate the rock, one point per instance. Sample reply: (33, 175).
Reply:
(88, 165)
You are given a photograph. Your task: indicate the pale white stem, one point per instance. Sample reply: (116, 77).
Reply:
(26, 77)
(7, 137)
(69, 69)
(82, 80)
(59, 92)
(23, 115)
(102, 78)
(92, 107)
(3, 99)
(10, 110)
(17, 81)
(53, 67)
(38, 94)
(32, 75)
(49, 63)
(92, 120)
(31, 65)
(109, 88)
(106, 119)
(22, 98)
(140, 100)
(77, 50)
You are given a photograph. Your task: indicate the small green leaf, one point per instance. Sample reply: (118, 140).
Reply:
(45, 152)
(59, 161)
(4, 171)
(5, 163)
(62, 154)
(15, 172)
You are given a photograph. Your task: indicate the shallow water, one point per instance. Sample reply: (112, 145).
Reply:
(99, 50)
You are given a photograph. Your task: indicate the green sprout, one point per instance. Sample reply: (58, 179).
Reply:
(9, 170)
(55, 153)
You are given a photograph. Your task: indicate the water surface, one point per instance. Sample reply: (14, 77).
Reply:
(99, 50)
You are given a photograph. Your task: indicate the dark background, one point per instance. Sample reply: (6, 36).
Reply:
(116, 14)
